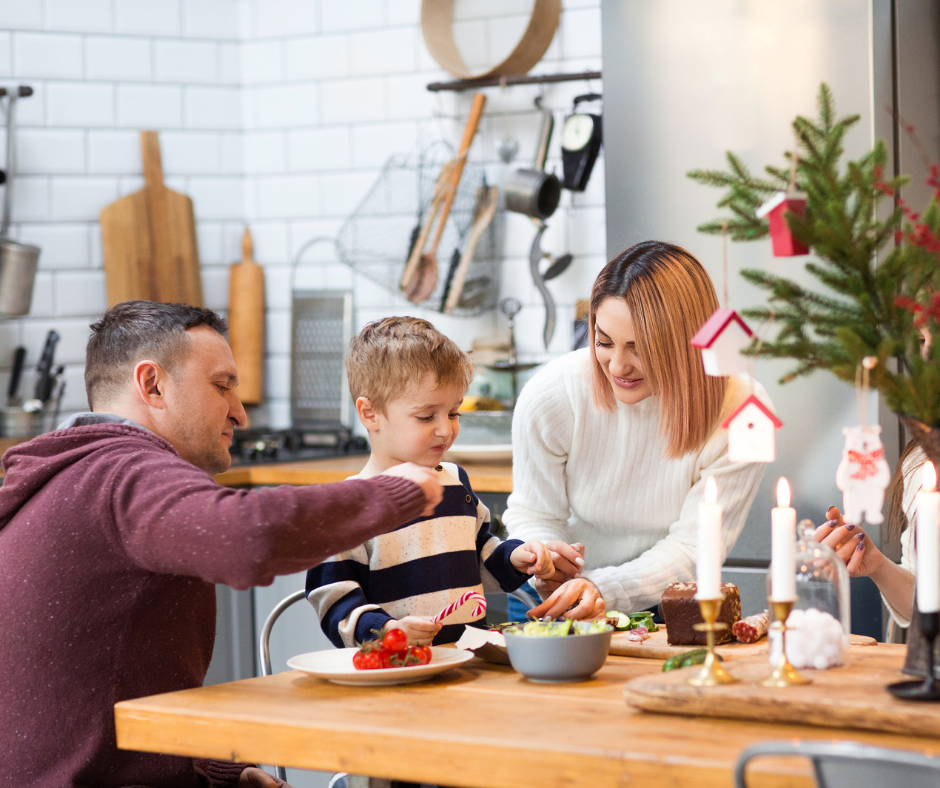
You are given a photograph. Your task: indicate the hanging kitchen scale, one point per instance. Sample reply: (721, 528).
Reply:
(581, 137)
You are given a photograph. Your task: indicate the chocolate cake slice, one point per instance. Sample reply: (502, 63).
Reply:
(681, 613)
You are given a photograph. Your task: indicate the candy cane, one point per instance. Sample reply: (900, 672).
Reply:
(475, 596)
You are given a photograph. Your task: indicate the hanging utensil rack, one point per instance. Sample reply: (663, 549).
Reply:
(524, 79)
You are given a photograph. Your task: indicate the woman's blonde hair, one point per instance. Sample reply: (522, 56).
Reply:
(391, 356)
(669, 295)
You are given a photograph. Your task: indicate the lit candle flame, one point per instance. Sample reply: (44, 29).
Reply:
(783, 493)
(711, 490)
(929, 477)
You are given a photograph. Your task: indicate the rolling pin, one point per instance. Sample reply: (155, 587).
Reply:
(246, 323)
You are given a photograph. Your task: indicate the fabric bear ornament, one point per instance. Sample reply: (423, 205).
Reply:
(863, 475)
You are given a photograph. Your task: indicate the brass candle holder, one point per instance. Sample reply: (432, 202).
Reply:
(784, 674)
(711, 674)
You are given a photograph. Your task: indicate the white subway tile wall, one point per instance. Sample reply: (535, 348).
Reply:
(278, 115)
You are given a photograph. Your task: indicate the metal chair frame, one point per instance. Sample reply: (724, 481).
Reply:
(847, 764)
(264, 645)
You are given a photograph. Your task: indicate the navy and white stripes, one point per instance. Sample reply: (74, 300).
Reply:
(416, 570)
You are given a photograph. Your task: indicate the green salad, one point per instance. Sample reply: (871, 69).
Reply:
(624, 622)
(558, 628)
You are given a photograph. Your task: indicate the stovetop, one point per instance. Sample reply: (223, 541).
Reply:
(257, 446)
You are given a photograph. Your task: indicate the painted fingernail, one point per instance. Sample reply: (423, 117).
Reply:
(861, 546)
(832, 523)
(861, 536)
(579, 561)
(850, 527)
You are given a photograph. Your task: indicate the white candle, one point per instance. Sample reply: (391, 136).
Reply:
(708, 566)
(783, 546)
(928, 542)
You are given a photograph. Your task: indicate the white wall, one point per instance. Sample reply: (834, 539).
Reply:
(102, 70)
(278, 114)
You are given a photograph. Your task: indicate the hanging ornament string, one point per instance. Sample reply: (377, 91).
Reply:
(794, 161)
(724, 263)
(862, 386)
(752, 357)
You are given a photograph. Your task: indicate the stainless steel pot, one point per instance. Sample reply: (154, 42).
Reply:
(18, 261)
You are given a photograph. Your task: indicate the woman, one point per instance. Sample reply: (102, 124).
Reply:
(612, 444)
(862, 556)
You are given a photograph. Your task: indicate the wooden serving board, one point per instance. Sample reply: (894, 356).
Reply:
(852, 696)
(656, 646)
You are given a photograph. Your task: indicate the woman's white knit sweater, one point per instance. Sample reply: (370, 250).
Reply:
(585, 475)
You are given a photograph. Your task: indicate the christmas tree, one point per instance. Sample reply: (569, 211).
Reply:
(876, 262)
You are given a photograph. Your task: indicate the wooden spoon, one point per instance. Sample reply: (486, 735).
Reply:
(421, 286)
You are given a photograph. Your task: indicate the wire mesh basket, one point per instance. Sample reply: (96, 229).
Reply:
(375, 240)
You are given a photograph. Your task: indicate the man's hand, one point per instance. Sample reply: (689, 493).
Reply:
(253, 777)
(426, 478)
(582, 593)
(533, 558)
(419, 629)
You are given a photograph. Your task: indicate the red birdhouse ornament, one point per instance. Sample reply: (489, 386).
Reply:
(752, 432)
(784, 243)
(721, 339)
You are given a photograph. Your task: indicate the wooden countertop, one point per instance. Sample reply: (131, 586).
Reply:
(481, 725)
(483, 478)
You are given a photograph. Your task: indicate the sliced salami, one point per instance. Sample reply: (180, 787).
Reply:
(752, 628)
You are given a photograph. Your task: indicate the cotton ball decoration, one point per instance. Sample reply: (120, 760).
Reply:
(815, 639)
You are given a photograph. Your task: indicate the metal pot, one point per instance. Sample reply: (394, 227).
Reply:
(533, 192)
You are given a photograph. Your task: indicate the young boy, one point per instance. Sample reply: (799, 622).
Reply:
(408, 381)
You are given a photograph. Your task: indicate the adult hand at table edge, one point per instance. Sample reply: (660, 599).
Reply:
(581, 593)
(857, 550)
(426, 478)
(253, 777)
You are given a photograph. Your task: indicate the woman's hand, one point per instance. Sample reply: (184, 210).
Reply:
(580, 593)
(419, 629)
(857, 550)
(568, 560)
(253, 777)
(533, 558)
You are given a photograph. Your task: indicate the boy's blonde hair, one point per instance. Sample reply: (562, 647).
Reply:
(391, 355)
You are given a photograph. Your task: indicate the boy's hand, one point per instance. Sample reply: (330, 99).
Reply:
(419, 629)
(533, 558)
(253, 777)
(426, 478)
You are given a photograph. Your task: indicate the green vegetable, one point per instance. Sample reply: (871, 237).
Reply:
(624, 622)
(559, 628)
(687, 658)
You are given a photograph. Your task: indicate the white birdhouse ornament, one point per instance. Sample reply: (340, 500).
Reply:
(863, 475)
(721, 340)
(752, 432)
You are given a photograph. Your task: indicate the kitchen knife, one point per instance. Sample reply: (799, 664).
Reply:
(19, 356)
(44, 369)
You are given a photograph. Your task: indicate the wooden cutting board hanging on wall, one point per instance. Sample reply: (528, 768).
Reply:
(246, 323)
(149, 240)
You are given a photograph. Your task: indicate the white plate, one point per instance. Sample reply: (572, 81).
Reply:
(496, 453)
(335, 665)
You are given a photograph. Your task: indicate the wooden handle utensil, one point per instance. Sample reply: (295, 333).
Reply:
(246, 323)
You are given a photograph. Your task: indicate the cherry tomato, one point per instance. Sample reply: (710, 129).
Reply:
(386, 657)
(357, 660)
(423, 653)
(395, 640)
(371, 661)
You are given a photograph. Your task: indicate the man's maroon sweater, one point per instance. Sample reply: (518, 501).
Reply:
(110, 544)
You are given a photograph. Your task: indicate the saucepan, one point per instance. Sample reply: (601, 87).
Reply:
(535, 192)
(18, 261)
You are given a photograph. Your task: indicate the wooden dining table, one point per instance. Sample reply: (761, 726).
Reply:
(480, 725)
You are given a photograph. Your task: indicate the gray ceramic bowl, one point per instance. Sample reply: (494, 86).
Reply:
(557, 659)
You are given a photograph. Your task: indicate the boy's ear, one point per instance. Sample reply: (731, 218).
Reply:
(368, 415)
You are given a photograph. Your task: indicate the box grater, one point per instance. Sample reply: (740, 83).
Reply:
(321, 327)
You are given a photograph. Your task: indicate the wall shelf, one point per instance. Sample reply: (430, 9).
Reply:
(525, 79)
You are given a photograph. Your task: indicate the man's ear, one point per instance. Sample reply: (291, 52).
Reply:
(368, 415)
(149, 382)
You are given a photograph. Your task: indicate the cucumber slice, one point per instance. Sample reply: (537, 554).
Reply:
(621, 622)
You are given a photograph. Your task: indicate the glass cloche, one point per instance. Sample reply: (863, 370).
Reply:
(821, 618)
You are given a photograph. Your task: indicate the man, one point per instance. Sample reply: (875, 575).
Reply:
(112, 533)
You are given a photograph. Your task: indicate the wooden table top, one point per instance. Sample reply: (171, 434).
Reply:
(482, 726)
(483, 478)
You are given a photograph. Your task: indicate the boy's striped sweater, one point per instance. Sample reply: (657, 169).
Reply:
(416, 570)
